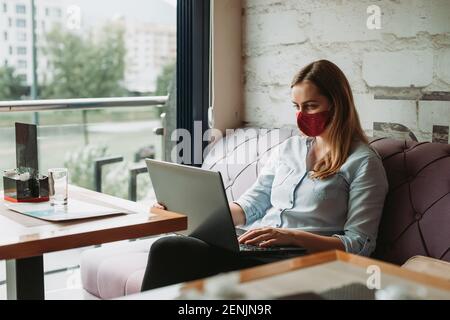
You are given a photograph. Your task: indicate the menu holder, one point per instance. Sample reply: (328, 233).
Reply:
(24, 183)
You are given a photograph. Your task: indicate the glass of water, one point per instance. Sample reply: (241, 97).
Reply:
(58, 179)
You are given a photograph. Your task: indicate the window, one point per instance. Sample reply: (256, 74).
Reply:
(54, 12)
(10, 22)
(21, 36)
(58, 12)
(6, 63)
(22, 64)
(20, 9)
(5, 35)
(77, 137)
(5, 7)
(22, 51)
(10, 50)
(21, 23)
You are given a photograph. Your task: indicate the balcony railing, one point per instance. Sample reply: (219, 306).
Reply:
(81, 104)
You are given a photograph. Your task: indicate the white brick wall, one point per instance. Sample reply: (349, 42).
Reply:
(275, 29)
(270, 108)
(411, 17)
(341, 24)
(433, 113)
(404, 68)
(443, 65)
(394, 111)
(409, 55)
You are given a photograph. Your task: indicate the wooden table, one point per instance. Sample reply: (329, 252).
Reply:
(314, 273)
(24, 240)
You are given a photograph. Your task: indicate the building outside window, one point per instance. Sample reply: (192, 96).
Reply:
(21, 23)
(21, 51)
(21, 36)
(22, 64)
(21, 9)
(58, 12)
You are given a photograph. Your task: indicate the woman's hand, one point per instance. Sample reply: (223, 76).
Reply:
(158, 206)
(267, 237)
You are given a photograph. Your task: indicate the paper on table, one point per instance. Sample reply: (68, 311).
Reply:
(74, 210)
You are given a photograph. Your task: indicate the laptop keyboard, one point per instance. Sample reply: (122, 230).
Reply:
(249, 247)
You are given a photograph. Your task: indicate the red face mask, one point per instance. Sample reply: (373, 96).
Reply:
(313, 124)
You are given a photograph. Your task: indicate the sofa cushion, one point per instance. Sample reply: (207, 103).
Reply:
(116, 269)
(240, 156)
(134, 282)
(416, 215)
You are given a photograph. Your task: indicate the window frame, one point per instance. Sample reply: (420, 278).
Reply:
(21, 8)
(21, 23)
(21, 50)
(193, 50)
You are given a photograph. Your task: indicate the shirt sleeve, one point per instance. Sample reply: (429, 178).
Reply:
(367, 193)
(256, 200)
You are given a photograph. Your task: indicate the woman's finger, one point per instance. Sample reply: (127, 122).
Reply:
(246, 235)
(257, 240)
(268, 243)
(159, 206)
(251, 234)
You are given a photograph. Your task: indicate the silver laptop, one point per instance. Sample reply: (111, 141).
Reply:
(200, 194)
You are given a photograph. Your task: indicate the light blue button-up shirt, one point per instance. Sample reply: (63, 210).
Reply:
(347, 205)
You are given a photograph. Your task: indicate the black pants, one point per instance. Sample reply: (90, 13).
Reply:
(178, 259)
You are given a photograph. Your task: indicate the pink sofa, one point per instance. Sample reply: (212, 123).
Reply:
(416, 218)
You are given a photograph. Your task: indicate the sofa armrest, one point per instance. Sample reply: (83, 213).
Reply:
(429, 266)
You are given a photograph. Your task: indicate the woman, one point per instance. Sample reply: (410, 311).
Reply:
(324, 190)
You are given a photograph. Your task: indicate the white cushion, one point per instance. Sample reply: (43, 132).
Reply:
(115, 270)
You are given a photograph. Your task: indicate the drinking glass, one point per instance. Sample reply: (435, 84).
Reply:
(58, 179)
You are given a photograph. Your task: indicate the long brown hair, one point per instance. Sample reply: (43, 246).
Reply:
(344, 126)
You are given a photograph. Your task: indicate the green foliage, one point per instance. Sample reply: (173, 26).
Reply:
(164, 80)
(115, 181)
(11, 87)
(164, 83)
(85, 67)
(80, 164)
